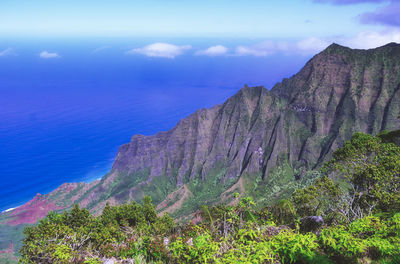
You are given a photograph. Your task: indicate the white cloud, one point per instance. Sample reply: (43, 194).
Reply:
(314, 45)
(260, 50)
(307, 46)
(48, 55)
(7, 52)
(217, 50)
(99, 49)
(311, 45)
(162, 50)
(371, 39)
(267, 48)
(363, 40)
(243, 51)
(283, 46)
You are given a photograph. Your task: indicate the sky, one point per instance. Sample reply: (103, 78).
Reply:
(230, 18)
(302, 26)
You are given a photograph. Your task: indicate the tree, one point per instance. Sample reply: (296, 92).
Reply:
(149, 211)
(108, 217)
(371, 170)
(283, 211)
(320, 198)
(78, 217)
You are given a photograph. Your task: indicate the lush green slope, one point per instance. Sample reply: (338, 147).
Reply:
(259, 143)
(351, 214)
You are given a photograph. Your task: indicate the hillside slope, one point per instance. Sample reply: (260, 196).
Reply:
(258, 141)
(294, 126)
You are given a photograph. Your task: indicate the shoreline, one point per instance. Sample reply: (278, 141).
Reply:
(9, 209)
(87, 180)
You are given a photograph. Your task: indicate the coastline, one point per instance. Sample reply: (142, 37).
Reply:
(89, 178)
(9, 209)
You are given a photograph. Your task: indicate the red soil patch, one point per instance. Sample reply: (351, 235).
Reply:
(8, 253)
(32, 211)
(66, 187)
(181, 194)
(9, 250)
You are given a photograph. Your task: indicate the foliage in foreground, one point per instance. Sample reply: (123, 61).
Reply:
(350, 215)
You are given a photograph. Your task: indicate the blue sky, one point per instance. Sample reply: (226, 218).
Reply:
(303, 26)
(205, 18)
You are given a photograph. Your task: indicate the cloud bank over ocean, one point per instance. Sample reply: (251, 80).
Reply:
(161, 50)
(7, 52)
(217, 50)
(49, 55)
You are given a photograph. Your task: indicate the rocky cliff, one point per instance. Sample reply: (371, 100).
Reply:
(298, 122)
(258, 141)
(301, 120)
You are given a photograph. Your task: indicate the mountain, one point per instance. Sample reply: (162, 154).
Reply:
(262, 142)
(294, 127)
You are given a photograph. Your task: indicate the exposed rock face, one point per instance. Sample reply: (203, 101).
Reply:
(298, 122)
(338, 92)
(343, 91)
(232, 136)
(311, 223)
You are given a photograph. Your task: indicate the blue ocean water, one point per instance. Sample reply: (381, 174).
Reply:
(62, 120)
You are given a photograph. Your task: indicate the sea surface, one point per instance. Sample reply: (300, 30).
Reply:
(63, 119)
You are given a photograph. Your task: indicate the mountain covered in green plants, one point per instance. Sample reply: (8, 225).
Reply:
(260, 143)
(351, 214)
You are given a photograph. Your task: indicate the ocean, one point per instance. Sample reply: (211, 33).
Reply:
(63, 119)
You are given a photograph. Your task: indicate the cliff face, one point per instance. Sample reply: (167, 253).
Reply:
(338, 92)
(233, 136)
(295, 125)
(341, 91)
(259, 142)
(241, 143)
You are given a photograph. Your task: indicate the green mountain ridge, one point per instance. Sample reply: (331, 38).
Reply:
(351, 214)
(259, 142)
(257, 133)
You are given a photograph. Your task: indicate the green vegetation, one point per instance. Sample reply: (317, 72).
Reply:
(78, 237)
(13, 233)
(349, 214)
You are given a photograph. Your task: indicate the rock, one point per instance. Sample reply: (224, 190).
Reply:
(127, 261)
(311, 223)
(299, 122)
(338, 92)
(166, 241)
(109, 261)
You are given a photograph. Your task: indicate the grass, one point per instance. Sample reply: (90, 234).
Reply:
(11, 234)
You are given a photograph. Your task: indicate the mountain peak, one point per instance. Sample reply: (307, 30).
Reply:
(335, 48)
(339, 49)
(256, 134)
(391, 45)
(251, 89)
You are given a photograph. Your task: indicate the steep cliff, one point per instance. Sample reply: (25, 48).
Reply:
(265, 143)
(296, 125)
(258, 141)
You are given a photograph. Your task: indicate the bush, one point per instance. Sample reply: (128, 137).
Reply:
(359, 203)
